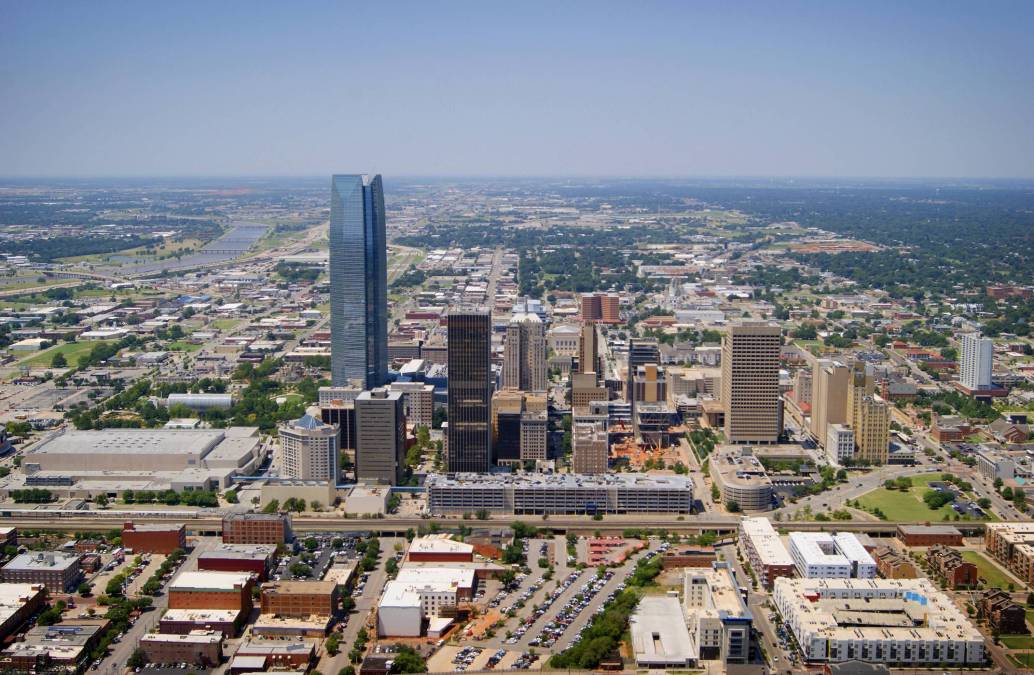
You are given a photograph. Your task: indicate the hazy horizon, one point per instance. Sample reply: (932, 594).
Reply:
(934, 91)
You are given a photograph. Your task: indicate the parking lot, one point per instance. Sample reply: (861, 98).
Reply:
(317, 556)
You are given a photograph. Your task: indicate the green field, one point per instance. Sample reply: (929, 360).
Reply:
(1018, 641)
(225, 324)
(1023, 659)
(988, 571)
(71, 350)
(898, 505)
(182, 346)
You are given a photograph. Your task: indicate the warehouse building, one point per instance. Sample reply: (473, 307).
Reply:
(300, 599)
(559, 493)
(905, 622)
(439, 548)
(211, 590)
(257, 528)
(156, 538)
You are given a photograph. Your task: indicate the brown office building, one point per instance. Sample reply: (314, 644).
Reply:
(300, 599)
(750, 383)
(57, 571)
(257, 528)
(157, 538)
(600, 308)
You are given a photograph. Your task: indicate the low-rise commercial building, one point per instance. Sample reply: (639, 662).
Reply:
(559, 493)
(227, 622)
(211, 590)
(57, 571)
(60, 648)
(202, 648)
(892, 621)
(276, 655)
(300, 599)
(764, 550)
(19, 602)
(820, 555)
(439, 548)
(156, 538)
(254, 559)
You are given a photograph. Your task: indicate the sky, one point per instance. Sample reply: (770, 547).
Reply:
(524, 88)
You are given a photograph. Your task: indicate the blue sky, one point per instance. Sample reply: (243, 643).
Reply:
(517, 88)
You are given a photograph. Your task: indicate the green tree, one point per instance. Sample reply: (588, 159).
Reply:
(58, 361)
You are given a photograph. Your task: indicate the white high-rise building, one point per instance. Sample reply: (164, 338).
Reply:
(309, 450)
(977, 360)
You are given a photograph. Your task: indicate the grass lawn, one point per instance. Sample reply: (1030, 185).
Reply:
(1023, 660)
(225, 324)
(1030, 616)
(898, 505)
(71, 350)
(987, 570)
(1018, 641)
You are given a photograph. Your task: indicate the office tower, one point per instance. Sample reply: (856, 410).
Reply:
(470, 391)
(380, 451)
(309, 450)
(860, 385)
(872, 430)
(358, 282)
(977, 361)
(590, 448)
(534, 434)
(507, 408)
(650, 384)
(830, 382)
(417, 402)
(750, 383)
(524, 357)
(337, 407)
(588, 349)
(641, 351)
(802, 386)
(600, 308)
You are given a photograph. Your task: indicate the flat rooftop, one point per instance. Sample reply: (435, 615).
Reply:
(195, 637)
(766, 541)
(300, 587)
(239, 552)
(559, 480)
(132, 442)
(740, 470)
(201, 616)
(659, 633)
(209, 581)
(435, 544)
(51, 560)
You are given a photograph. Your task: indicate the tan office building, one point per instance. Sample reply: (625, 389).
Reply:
(750, 383)
(830, 382)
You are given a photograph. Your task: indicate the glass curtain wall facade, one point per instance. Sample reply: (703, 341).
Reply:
(358, 282)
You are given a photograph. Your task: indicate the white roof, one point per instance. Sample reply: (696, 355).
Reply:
(817, 548)
(439, 545)
(443, 578)
(852, 549)
(210, 581)
(766, 541)
(399, 595)
(659, 633)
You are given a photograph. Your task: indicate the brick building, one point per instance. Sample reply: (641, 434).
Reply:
(892, 565)
(951, 565)
(157, 538)
(211, 590)
(256, 559)
(57, 571)
(1002, 614)
(440, 549)
(257, 528)
(929, 535)
(18, 602)
(688, 556)
(278, 655)
(202, 648)
(300, 599)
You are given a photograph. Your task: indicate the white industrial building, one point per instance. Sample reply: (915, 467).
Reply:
(420, 593)
(891, 621)
(820, 555)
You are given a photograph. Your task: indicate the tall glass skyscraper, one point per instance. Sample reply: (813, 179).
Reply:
(358, 282)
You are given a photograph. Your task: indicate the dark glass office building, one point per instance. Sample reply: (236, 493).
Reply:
(470, 391)
(358, 282)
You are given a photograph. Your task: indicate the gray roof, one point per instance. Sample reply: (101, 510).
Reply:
(308, 422)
